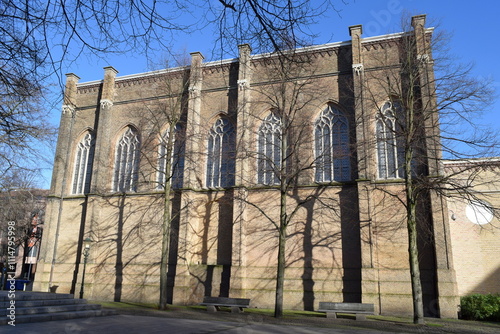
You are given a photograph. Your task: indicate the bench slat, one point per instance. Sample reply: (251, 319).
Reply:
(236, 304)
(359, 309)
(242, 302)
(224, 305)
(346, 307)
(344, 311)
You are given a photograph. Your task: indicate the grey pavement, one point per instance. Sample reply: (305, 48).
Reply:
(185, 320)
(128, 324)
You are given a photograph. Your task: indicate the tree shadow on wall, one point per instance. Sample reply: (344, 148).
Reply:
(174, 245)
(330, 224)
(390, 228)
(427, 256)
(215, 246)
(351, 243)
(325, 230)
(128, 240)
(79, 248)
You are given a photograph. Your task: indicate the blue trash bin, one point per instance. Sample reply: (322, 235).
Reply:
(21, 284)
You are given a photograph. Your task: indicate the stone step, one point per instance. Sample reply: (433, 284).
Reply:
(50, 309)
(43, 302)
(52, 316)
(45, 306)
(29, 295)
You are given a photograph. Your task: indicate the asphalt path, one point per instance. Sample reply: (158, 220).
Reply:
(129, 324)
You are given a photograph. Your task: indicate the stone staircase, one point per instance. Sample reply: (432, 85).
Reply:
(45, 306)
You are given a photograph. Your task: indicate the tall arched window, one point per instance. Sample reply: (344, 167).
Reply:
(331, 135)
(390, 141)
(177, 159)
(269, 159)
(126, 161)
(83, 165)
(221, 155)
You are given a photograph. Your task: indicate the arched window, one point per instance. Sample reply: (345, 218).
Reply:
(331, 135)
(177, 159)
(83, 165)
(390, 141)
(221, 155)
(126, 161)
(269, 159)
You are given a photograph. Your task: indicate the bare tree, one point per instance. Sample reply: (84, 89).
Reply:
(269, 26)
(287, 94)
(164, 151)
(416, 122)
(41, 38)
(21, 218)
(24, 130)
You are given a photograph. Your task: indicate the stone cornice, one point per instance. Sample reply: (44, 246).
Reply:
(473, 162)
(89, 89)
(158, 77)
(375, 45)
(223, 65)
(217, 68)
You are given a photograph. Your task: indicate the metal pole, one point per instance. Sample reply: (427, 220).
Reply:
(85, 256)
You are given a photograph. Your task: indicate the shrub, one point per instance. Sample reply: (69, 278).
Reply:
(480, 307)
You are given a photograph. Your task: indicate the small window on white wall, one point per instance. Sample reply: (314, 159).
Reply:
(83, 165)
(126, 161)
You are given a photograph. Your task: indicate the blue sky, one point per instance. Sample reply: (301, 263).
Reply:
(474, 26)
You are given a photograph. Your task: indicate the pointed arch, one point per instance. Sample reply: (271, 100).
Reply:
(126, 161)
(269, 149)
(84, 157)
(221, 154)
(331, 138)
(390, 142)
(177, 159)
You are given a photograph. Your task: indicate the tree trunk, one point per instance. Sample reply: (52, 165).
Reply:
(411, 221)
(416, 285)
(164, 249)
(167, 219)
(280, 276)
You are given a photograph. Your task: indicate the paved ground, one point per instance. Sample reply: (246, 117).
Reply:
(183, 321)
(124, 324)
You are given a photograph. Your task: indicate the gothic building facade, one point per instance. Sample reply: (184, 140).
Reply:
(308, 138)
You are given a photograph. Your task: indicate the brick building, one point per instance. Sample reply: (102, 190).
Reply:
(314, 119)
(21, 223)
(474, 226)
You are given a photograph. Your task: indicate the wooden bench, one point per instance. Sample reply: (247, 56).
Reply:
(236, 304)
(331, 309)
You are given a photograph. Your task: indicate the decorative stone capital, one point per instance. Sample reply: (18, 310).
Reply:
(423, 58)
(68, 109)
(243, 83)
(105, 104)
(193, 91)
(357, 68)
